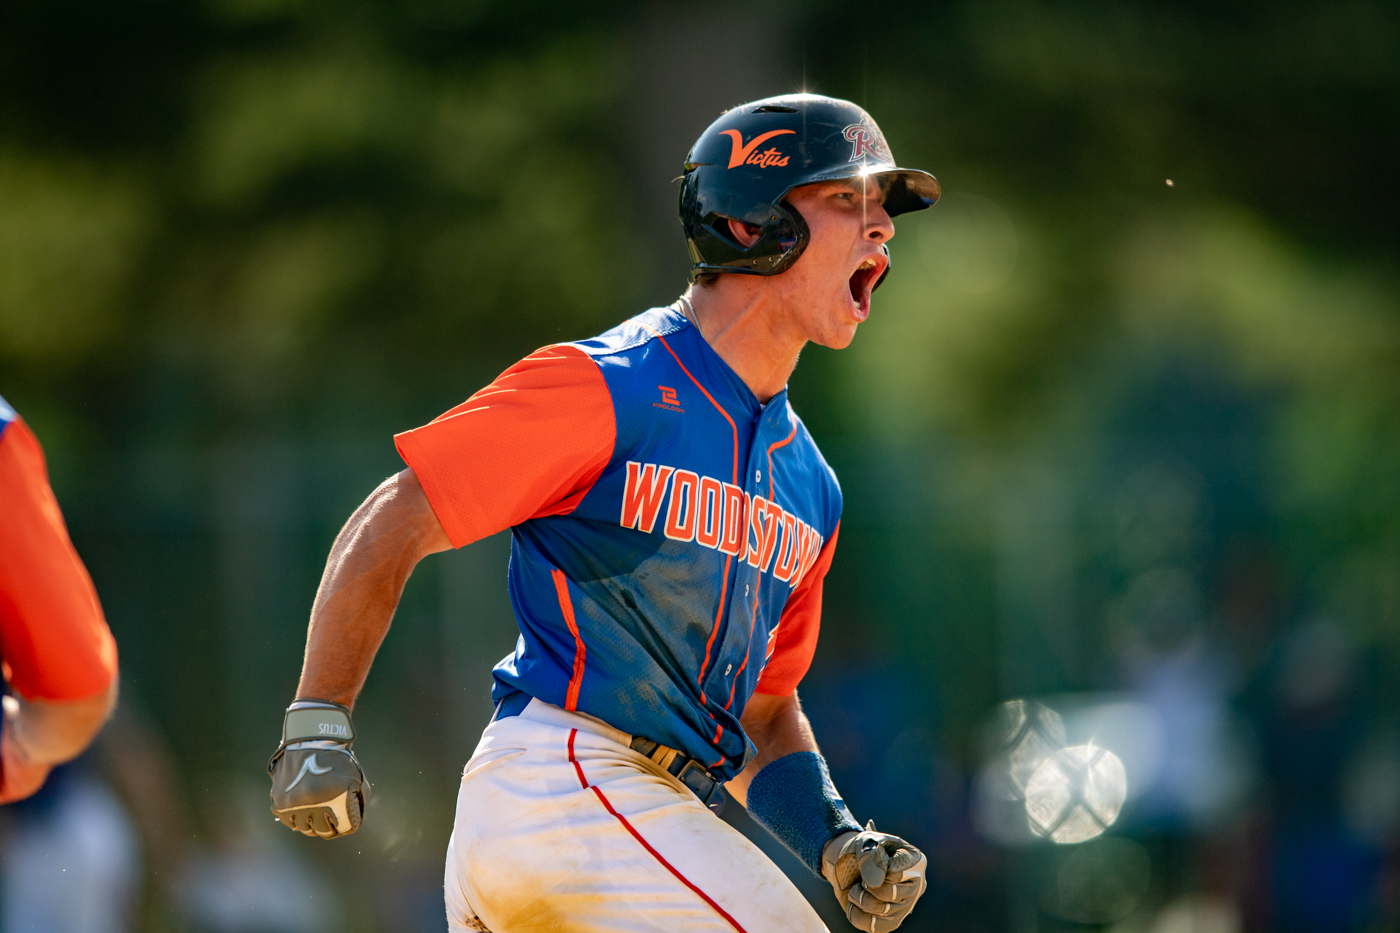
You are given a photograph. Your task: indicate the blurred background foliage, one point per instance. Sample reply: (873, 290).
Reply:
(1129, 404)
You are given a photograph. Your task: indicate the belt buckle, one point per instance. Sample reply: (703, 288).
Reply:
(702, 784)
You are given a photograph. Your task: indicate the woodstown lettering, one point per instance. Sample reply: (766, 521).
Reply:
(720, 516)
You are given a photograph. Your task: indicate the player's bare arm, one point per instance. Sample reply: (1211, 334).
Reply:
(318, 785)
(369, 564)
(778, 727)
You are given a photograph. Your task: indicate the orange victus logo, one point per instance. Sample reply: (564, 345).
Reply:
(748, 155)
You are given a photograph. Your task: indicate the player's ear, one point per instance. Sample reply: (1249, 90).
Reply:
(744, 234)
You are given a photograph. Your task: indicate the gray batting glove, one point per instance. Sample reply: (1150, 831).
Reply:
(318, 787)
(877, 877)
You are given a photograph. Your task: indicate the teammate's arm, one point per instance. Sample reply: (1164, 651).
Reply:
(369, 564)
(54, 731)
(59, 656)
(39, 734)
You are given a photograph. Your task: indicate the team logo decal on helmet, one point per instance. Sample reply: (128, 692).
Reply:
(793, 140)
(745, 155)
(867, 141)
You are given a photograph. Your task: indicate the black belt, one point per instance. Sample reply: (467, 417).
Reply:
(689, 771)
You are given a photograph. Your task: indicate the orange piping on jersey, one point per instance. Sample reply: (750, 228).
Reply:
(732, 426)
(772, 527)
(724, 582)
(772, 447)
(735, 682)
(561, 586)
(723, 588)
(753, 622)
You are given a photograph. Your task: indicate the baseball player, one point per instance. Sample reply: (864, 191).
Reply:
(672, 523)
(59, 658)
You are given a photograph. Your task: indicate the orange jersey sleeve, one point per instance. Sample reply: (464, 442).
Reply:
(530, 444)
(795, 639)
(53, 637)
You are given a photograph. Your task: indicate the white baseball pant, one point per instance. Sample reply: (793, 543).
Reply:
(562, 827)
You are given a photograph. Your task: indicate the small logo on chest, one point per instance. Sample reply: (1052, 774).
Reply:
(668, 400)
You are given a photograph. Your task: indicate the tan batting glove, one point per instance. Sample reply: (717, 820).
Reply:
(877, 877)
(318, 786)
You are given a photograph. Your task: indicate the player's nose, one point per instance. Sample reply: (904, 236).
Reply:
(878, 225)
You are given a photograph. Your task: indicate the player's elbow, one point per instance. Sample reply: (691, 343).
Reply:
(397, 516)
(55, 731)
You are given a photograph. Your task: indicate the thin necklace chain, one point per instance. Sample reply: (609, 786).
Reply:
(689, 311)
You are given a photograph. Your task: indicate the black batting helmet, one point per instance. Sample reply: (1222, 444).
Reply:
(744, 165)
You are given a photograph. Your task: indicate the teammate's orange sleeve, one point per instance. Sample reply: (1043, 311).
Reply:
(530, 444)
(53, 637)
(798, 627)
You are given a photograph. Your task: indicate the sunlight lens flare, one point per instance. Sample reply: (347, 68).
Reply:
(1076, 794)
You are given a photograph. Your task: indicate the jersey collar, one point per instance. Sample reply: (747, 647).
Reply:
(717, 372)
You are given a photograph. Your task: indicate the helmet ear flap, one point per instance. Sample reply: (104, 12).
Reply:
(792, 234)
(782, 237)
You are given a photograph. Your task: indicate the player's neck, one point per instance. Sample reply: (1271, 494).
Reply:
(746, 325)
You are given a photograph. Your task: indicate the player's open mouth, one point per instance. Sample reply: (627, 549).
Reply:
(863, 281)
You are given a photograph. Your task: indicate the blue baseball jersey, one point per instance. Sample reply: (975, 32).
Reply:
(670, 534)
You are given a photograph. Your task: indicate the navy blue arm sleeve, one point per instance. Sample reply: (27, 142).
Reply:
(794, 799)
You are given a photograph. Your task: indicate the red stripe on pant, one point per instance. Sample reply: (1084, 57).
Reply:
(638, 836)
